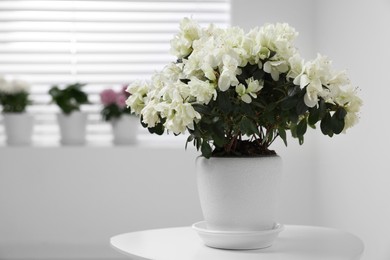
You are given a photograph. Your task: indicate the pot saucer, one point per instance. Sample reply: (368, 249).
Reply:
(239, 240)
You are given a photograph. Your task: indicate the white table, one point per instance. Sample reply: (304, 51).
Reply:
(294, 243)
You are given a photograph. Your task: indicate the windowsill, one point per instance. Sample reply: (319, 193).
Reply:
(143, 141)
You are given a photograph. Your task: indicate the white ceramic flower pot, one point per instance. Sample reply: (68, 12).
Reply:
(239, 194)
(18, 128)
(72, 128)
(125, 130)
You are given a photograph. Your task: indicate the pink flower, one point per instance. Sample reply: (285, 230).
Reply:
(124, 90)
(108, 97)
(121, 100)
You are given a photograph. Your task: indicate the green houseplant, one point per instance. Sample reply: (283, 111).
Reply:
(14, 98)
(234, 93)
(69, 98)
(72, 122)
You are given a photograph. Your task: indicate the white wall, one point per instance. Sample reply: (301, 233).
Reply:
(354, 169)
(66, 202)
(350, 172)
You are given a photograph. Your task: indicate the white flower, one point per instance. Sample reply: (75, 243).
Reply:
(339, 78)
(229, 71)
(278, 38)
(227, 79)
(317, 73)
(13, 86)
(202, 90)
(352, 103)
(173, 71)
(150, 114)
(297, 68)
(5, 86)
(313, 89)
(20, 86)
(318, 78)
(241, 91)
(138, 93)
(182, 116)
(275, 68)
(254, 86)
(246, 94)
(190, 31)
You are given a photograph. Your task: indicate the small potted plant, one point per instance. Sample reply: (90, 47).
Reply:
(124, 125)
(234, 93)
(14, 98)
(71, 120)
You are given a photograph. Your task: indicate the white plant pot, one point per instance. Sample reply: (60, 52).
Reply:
(239, 194)
(125, 130)
(18, 128)
(72, 128)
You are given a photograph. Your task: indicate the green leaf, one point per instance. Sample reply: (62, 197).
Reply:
(197, 142)
(206, 149)
(337, 121)
(189, 139)
(271, 106)
(246, 109)
(302, 127)
(314, 116)
(248, 127)
(289, 103)
(258, 104)
(282, 134)
(201, 109)
(322, 108)
(80, 97)
(337, 125)
(54, 92)
(158, 129)
(224, 102)
(300, 139)
(341, 113)
(301, 107)
(218, 134)
(293, 130)
(326, 125)
(293, 117)
(258, 74)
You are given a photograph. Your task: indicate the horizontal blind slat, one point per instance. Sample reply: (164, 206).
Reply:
(113, 28)
(128, 7)
(103, 43)
(103, 17)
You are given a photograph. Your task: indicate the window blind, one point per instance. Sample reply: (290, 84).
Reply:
(102, 43)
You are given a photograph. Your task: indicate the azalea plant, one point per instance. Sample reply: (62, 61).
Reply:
(235, 93)
(14, 95)
(69, 98)
(114, 103)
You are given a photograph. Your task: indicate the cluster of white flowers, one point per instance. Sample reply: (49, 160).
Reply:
(209, 61)
(321, 81)
(13, 86)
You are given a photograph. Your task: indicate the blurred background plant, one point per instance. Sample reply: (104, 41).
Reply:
(114, 103)
(14, 95)
(69, 98)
